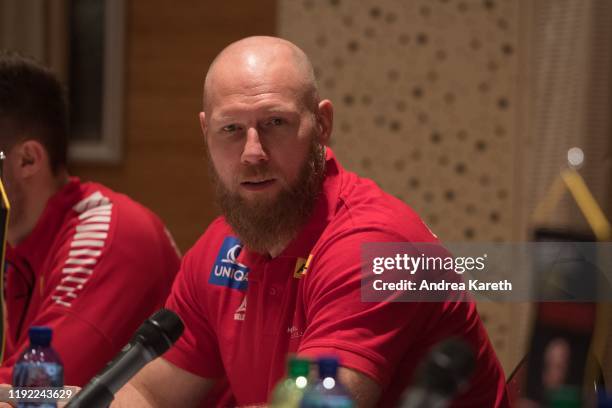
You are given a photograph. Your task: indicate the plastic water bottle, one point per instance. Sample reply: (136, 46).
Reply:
(39, 366)
(328, 392)
(288, 392)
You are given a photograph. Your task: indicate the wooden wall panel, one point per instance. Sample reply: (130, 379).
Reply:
(168, 50)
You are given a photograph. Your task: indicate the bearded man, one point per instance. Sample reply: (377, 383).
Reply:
(279, 272)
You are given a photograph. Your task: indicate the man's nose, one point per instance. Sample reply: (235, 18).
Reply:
(254, 152)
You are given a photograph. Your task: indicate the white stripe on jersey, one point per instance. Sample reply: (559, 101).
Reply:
(78, 269)
(87, 243)
(73, 279)
(97, 218)
(95, 213)
(81, 261)
(84, 252)
(88, 235)
(92, 227)
(59, 301)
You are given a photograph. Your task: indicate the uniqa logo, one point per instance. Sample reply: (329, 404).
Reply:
(230, 272)
(232, 254)
(226, 270)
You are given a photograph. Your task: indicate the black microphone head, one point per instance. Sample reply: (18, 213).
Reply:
(447, 368)
(169, 323)
(159, 332)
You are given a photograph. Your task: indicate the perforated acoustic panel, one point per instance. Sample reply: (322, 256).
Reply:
(426, 99)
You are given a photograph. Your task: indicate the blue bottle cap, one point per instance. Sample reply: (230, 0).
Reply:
(604, 401)
(328, 367)
(40, 335)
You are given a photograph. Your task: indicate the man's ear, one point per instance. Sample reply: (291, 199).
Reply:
(31, 158)
(203, 124)
(325, 119)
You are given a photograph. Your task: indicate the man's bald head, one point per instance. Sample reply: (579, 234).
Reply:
(251, 60)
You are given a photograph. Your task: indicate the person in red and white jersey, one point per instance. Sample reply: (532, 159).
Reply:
(88, 262)
(280, 271)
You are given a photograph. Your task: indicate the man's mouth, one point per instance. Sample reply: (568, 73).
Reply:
(256, 185)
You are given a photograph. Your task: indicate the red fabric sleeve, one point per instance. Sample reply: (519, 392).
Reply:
(375, 338)
(197, 350)
(368, 337)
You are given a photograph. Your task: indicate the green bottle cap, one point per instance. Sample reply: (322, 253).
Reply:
(565, 397)
(298, 367)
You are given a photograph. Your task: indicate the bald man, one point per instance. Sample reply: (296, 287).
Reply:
(293, 223)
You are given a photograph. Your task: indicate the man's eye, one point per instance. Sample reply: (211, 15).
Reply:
(229, 128)
(276, 121)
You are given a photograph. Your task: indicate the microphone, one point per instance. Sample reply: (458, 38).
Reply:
(152, 339)
(445, 371)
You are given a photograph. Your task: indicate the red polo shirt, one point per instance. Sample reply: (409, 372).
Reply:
(244, 312)
(96, 265)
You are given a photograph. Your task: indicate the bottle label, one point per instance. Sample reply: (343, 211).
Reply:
(37, 374)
